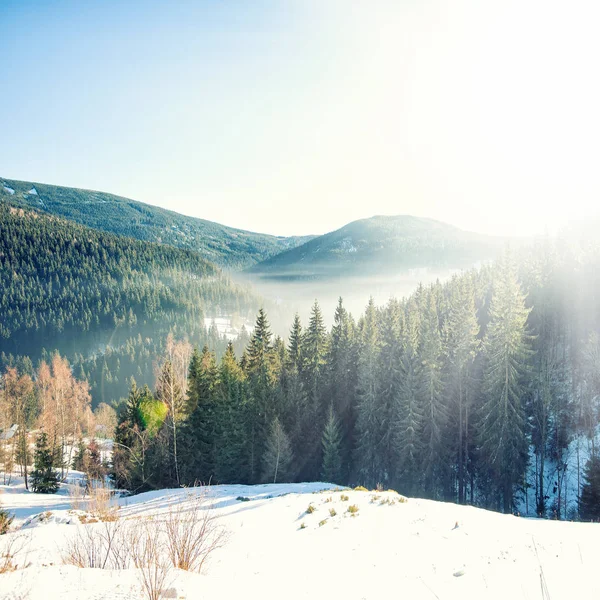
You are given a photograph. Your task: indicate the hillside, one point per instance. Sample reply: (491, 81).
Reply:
(68, 287)
(224, 246)
(273, 548)
(381, 244)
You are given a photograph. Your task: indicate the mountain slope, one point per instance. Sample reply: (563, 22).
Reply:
(66, 286)
(224, 246)
(273, 549)
(378, 245)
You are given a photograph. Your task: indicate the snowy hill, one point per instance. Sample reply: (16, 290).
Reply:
(388, 547)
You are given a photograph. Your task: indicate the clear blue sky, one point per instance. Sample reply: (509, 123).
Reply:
(297, 116)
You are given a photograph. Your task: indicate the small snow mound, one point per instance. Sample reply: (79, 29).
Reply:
(33, 192)
(8, 189)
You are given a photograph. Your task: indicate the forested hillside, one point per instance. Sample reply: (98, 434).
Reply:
(474, 391)
(70, 288)
(221, 245)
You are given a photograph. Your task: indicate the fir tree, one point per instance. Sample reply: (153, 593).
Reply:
(43, 478)
(433, 408)
(198, 436)
(461, 330)
(502, 426)
(369, 422)
(331, 470)
(589, 503)
(407, 419)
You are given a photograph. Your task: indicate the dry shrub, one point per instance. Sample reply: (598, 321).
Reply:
(105, 547)
(192, 533)
(11, 545)
(96, 499)
(77, 497)
(153, 567)
(182, 539)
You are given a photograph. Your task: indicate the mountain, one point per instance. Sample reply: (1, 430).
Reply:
(224, 246)
(67, 287)
(379, 245)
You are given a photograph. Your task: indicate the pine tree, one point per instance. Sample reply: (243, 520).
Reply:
(198, 435)
(331, 470)
(231, 465)
(342, 370)
(43, 478)
(431, 386)
(369, 421)
(261, 387)
(407, 419)
(502, 426)
(132, 441)
(295, 345)
(589, 504)
(461, 330)
(278, 454)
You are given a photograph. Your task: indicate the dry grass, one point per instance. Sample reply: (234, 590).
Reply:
(96, 499)
(183, 538)
(11, 546)
(153, 567)
(192, 533)
(106, 547)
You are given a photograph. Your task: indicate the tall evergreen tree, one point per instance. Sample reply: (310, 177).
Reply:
(407, 417)
(369, 422)
(434, 410)
(231, 465)
(502, 426)
(44, 479)
(199, 431)
(589, 504)
(331, 470)
(261, 386)
(461, 333)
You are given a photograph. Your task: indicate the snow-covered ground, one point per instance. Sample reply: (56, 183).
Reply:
(415, 549)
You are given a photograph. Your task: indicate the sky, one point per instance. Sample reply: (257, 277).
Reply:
(298, 116)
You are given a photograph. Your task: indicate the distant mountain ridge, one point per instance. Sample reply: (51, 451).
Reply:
(378, 245)
(225, 246)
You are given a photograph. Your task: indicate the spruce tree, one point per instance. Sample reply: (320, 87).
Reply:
(407, 416)
(433, 408)
(261, 387)
(589, 503)
(44, 479)
(502, 426)
(369, 421)
(231, 465)
(461, 331)
(342, 379)
(198, 434)
(278, 456)
(331, 470)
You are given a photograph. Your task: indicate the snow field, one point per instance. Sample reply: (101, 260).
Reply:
(391, 547)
